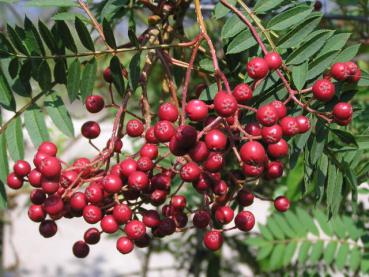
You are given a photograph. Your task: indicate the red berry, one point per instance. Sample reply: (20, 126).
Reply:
(50, 185)
(356, 78)
(253, 129)
(48, 148)
(36, 213)
(245, 221)
(242, 93)
(118, 145)
(253, 153)
(197, 110)
(267, 115)
(272, 134)
(94, 103)
(112, 183)
(107, 75)
(274, 170)
(90, 129)
(245, 198)
(257, 68)
(122, 213)
(94, 193)
(92, 214)
(14, 182)
(224, 214)
(215, 140)
(324, 90)
(352, 68)
(81, 249)
(342, 111)
(318, 5)
(50, 167)
(53, 205)
(34, 178)
(67, 178)
(186, 136)
(135, 229)
(82, 165)
(343, 122)
(160, 181)
(225, 104)
(202, 184)
(164, 130)
(38, 158)
(273, 60)
(128, 166)
(48, 228)
(145, 164)
(252, 170)
(214, 162)
(124, 245)
(37, 196)
(190, 172)
(303, 123)
(134, 128)
(78, 201)
(143, 242)
(92, 236)
(22, 168)
(138, 180)
(108, 224)
(168, 111)
(282, 204)
(200, 152)
(279, 149)
(150, 136)
(220, 188)
(178, 202)
(176, 148)
(201, 219)
(158, 197)
(151, 218)
(213, 240)
(289, 126)
(280, 107)
(339, 71)
(166, 227)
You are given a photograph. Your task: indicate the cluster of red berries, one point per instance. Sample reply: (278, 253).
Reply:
(126, 196)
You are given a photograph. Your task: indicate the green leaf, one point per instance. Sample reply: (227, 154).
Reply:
(48, 37)
(116, 73)
(263, 6)
(59, 115)
(316, 251)
(51, 3)
(307, 221)
(295, 223)
(109, 35)
(309, 48)
(134, 71)
(232, 27)
(84, 34)
(320, 64)
(265, 251)
(69, 16)
(275, 229)
(289, 253)
(289, 17)
(299, 73)
(6, 96)
(221, 11)
(344, 136)
(348, 54)
(73, 80)
(207, 64)
(33, 39)
(241, 42)
(335, 43)
(355, 259)
(341, 256)
(304, 249)
(276, 259)
(112, 7)
(17, 41)
(265, 232)
(331, 184)
(323, 222)
(14, 139)
(338, 227)
(60, 72)
(329, 252)
(44, 76)
(34, 120)
(298, 34)
(4, 164)
(88, 79)
(66, 36)
(282, 223)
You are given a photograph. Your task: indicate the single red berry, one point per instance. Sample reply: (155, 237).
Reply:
(94, 103)
(279, 149)
(145, 164)
(176, 148)
(108, 224)
(36, 213)
(14, 182)
(318, 5)
(197, 110)
(168, 111)
(151, 218)
(82, 166)
(201, 219)
(124, 245)
(213, 240)
(90, 129)
(339, 71)
(94, 193)
(80, 249)
(48, 148)
(134, 128)
(324, 90)
(22, 168)
(50, 167)
(202, 184)
(150, 136)
(158, 197)
(138, 180)
(225, 104)
(224, 214)
(343, 122)
(67, 178)
(253, 153)
(289, 126)
(128, 166)
(34, 178)
(92, 236)
(274, 170)
(214, 162)
(245, 198)
(48, 228)
(282, 204)
(267, 115)
(352, 68)
(342, 111)
(178, 202)
(78, 201)
(252, 170)
(112, 183)
(122, 213)
(215, 140)
(200, 152)
(164, 130)
(135, 229)
(273, 60)
(143, 242)
(220, 188)
(253, 129)
(242, 93)
(180, 219)
(356, 78)
(186, 136)
(37, 196)
(303, 123)
(50, 185)
(245, 221)
(280, 107)
(272, 134)
(92, 214)
(160, 181)
(166, 227)
(38, 158)
(107, 75)
(190, 172)
(257, 68)
(53, 205)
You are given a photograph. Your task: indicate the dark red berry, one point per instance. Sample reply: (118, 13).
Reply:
(50, 185)
(92, 214)
(150, 136)
(134, 128)
(78, 201)
(94, 103)
(112, 183)
(245, 221)
(138, 180)
(36, 213)
(245, 198)
(342, 111)
(108, 224)
(128, 166)
(22, 168)
(90, 129)
(92, 236)
(339, 71)
(67, 178)
(215, 140)
(34, 178)
(282, 204)
(220, 188)
(94, 193)
(144, 164)
(186, 136)
(199, 152)
(48, 148)
(37, 196)
(178, 202)
(279, 149)
(14, 182)
(224, 214)
(272, 134)
(289, 126)
(107, 75)
(253, 129)
(81, 249)
(201, 219)
(151, 218)
(50, 167)
(53, 205)
(280, 108)
(274, 170)
(303, 123)
(190, 172)
(48, 228)
(214, 162)
(252, 170)
(122, 213)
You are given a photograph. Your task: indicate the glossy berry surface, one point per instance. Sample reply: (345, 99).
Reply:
(225, 104)
(168, 111)
(90, 130)
(245, 221)
(324, 90)
(273, 60)
(267, 115)
(282, 204)
(215, 140)
(257, 68)
(197, 110)
(94, 103)
(213, 240)
(242, 93)
(134, 128)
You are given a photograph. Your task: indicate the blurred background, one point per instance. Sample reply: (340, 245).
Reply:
(26, 253)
